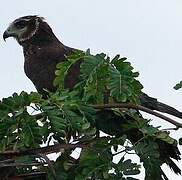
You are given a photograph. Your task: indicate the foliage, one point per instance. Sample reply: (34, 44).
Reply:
(178, 85)
(28, 121)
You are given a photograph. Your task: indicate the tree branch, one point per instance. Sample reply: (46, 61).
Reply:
(29, 175)
(2, 165)
(129, 106)
(138, 107)
(43, 150)
(49, 165)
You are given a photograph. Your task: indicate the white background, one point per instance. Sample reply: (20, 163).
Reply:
(148, 32)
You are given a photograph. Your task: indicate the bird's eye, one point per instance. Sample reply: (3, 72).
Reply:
(20, 24)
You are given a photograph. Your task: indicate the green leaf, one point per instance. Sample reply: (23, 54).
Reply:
(90, 65)
(178, 86)
(94, 74)
(61, 73)
(64, 66)
(85, 126)
(122, 84)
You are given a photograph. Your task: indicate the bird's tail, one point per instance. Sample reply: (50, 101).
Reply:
(173, 166)
(153, 104)
(112, 124)
(163, 175)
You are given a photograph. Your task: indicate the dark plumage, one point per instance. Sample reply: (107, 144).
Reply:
(42, 51)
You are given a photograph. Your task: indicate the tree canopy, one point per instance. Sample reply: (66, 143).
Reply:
(68, 121)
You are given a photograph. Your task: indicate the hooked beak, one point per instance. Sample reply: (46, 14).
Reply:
(6, 35)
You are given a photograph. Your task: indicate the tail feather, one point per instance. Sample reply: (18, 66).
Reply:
(153, 104)
(168, 152)
(163, 175)
(173, 166)
(112, 124)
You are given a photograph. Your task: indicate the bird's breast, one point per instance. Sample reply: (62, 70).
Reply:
(41, 72)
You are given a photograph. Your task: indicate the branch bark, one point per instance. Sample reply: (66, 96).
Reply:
(43, 150)
(138, 107)
(2, 165)
(130, 106)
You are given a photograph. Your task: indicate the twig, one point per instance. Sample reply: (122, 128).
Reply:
(170, 129)
(18, 164)
(7, 161)
(119, 152)
(43, 150)
(129, 106)
(138, 107)
(49, 165)
(38, 116)
(30, 174)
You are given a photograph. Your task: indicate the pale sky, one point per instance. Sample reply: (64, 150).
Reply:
(147, 32)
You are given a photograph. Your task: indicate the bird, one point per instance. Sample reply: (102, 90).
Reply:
(43, 51)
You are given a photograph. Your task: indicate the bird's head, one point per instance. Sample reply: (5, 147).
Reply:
(23, 28)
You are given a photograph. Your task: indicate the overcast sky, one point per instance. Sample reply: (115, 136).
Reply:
(147, 32)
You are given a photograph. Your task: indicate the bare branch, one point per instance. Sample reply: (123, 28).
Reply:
(43, 150)
(18, 164)
(138, 107)
(129, 106)
(32, 174)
